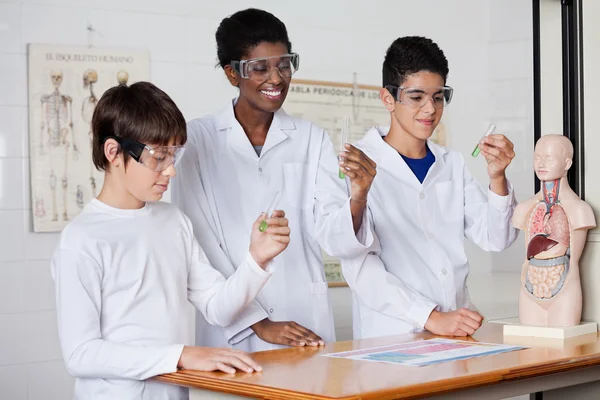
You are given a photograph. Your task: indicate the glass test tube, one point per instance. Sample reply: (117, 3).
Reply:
(490, 130)
(263, 225)
(343, 140)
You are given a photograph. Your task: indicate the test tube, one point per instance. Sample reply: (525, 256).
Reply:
(490, 130)
(263, 225)
(343, 140)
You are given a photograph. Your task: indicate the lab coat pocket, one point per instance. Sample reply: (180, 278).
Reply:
(450, 201)
(322, 311)
(295, 184)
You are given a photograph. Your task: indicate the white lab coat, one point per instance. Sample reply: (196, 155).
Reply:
(223, 186)
(418, 261)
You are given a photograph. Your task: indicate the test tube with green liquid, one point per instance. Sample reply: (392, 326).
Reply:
(477, 150)
(343, 140)
(263, 225)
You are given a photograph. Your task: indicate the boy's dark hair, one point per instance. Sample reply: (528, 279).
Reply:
(409, 55)
(140, 112)
(244, 30)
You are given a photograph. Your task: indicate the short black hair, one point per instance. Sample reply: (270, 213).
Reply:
(140, 112)
(409, 55)
(244, 30)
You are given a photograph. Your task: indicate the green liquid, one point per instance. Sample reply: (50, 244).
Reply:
(341, 175)
(263, 226)
(475, 152)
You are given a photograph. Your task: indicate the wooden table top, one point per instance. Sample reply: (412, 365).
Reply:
(301, 373)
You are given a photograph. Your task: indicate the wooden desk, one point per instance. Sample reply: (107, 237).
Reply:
(301, 373)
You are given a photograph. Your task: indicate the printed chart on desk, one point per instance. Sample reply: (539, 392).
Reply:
(426, 352)
(325, 104)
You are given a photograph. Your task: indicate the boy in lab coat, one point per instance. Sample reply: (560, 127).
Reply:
(423, 203)
(126, 267)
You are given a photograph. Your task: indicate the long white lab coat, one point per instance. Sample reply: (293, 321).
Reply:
(223, 186)
(418, 261)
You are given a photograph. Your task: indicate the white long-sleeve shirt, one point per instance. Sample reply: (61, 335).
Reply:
(418, 260)
(123, 280)
(223, 184)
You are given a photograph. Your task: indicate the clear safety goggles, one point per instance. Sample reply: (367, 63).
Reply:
(260, 69)
(417, 97)
(157, 158)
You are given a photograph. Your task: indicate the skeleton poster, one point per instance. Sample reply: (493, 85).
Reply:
(65, 84)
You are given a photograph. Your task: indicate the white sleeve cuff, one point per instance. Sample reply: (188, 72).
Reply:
(254, 267)
(420, 311)
(347, 244)
(501, 203)
(364, 236)
(241, 328)
(172, 358)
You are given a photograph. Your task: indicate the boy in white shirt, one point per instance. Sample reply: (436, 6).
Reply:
(126, 266)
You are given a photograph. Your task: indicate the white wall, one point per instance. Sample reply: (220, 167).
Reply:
(551, 67)
(511, 94)
(590, 273)
(486, 43)
(494, 286)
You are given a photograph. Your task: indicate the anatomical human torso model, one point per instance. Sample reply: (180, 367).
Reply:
(555, 222)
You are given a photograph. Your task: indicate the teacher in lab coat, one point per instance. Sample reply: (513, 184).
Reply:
(239, 160)
(423, 203)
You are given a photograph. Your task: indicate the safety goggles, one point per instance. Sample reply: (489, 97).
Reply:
(417, 97)
(157, 158)
(260, 69)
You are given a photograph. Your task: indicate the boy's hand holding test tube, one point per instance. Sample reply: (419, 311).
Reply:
(270, 234)
(498, 152)
(355, 165)
(343, 141)
(490, 130)
(361, 170)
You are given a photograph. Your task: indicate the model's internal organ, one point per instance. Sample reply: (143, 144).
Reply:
(547, 251)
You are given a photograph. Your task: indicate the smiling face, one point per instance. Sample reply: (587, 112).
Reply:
(267, 95)
(419, 122)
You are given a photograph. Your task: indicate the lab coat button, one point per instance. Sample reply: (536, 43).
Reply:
(422, 196)
(271, 311)
(444, 271)
(260, 169)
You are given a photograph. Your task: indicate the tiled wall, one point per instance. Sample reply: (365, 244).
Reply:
(335, 38)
